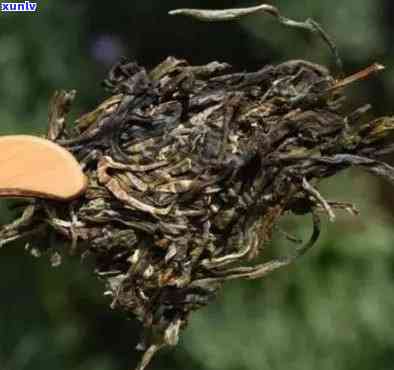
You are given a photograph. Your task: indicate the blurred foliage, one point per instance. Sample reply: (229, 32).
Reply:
(332, 310)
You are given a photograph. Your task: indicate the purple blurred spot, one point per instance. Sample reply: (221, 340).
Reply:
(107, 49)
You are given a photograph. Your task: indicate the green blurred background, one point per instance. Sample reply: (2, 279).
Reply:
(334, 309)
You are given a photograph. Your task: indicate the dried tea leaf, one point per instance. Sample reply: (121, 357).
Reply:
(190, 170)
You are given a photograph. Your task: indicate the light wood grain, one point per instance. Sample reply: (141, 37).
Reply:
(34, 167)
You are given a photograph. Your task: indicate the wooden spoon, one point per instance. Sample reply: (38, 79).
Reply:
(34, 167)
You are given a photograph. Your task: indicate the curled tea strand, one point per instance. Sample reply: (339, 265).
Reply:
(211, 15)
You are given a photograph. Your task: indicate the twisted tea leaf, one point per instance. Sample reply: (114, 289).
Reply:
(190, 170)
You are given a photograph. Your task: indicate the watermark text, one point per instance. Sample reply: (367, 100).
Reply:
(26, 6)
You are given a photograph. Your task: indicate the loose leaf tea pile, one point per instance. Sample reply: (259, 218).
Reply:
(190, 169)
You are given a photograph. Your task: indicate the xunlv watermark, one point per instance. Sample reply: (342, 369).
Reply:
(26, 6)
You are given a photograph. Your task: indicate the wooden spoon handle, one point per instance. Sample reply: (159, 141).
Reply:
(34, 167)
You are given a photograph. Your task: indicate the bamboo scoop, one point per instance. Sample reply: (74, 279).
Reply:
(34, 167)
